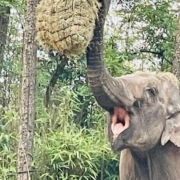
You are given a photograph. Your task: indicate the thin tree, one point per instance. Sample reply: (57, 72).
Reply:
(4, 21)
(27, 109)
(176, 60)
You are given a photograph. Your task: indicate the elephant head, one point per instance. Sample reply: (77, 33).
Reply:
(143, 107)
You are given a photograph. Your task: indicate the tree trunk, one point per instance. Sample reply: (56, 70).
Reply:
(176, 60)
(4, 21)
(26, 124)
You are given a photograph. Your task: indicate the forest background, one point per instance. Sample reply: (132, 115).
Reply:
(70, 136)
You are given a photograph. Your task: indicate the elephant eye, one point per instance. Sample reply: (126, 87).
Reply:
(151, 91)
(137, 104)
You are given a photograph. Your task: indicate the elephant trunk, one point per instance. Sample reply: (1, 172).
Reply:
(106, 89)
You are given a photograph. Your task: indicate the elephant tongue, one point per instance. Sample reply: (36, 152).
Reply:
(119, 121)
(117, 129)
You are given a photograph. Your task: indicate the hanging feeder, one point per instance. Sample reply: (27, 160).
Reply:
(66, 25)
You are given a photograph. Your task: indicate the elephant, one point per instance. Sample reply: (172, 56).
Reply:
(143, 114)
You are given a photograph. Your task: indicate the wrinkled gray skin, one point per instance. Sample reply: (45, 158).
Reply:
(150, 144)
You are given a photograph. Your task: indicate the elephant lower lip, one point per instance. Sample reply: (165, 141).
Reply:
(118, 145)
(120, 121)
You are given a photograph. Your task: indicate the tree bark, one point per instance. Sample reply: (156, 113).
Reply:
(176, 60)
(4, 21)
(27, 112)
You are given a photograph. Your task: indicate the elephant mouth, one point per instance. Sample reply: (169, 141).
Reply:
(120, 121)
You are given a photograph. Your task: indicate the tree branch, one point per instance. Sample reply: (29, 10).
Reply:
(54, 78)
(160, 54)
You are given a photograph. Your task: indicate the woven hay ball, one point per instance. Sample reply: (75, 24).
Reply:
(66, 25)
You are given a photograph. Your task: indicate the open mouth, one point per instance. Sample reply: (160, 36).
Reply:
(119, 121)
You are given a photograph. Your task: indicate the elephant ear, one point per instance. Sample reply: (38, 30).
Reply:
(172, 125)
(172, 130)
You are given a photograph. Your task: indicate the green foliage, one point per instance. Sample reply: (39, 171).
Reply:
(70, 135)
(71, 141)
(159, 29)
(115, 60)
(8, 142)
(78, 154)
(19, 5)
(144, 35)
